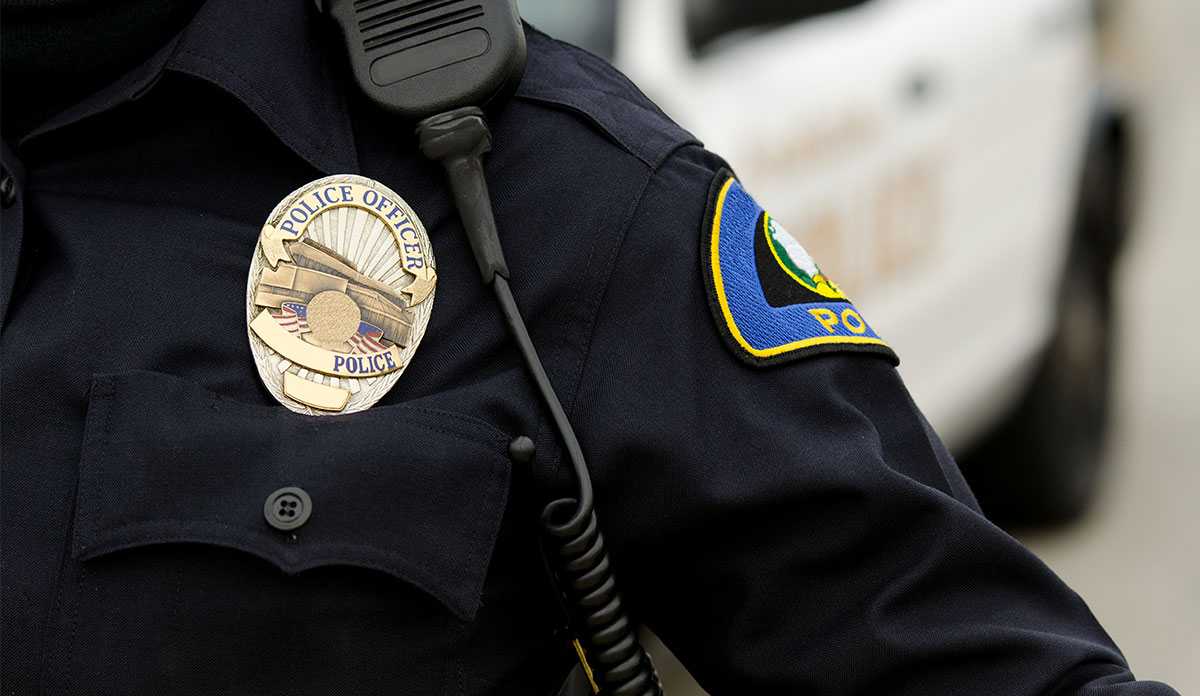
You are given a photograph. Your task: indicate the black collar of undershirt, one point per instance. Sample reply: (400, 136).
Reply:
(277, 58)
(56, 52)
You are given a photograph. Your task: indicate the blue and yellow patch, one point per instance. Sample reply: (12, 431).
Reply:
(770, 300)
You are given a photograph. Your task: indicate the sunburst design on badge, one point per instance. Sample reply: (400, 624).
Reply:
(339, 295)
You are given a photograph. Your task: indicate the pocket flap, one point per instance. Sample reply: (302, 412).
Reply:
(417, 493)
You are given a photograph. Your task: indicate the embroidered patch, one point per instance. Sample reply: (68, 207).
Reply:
(769, 298)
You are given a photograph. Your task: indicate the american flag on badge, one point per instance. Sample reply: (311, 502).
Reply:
(293, 316)
(366, 339)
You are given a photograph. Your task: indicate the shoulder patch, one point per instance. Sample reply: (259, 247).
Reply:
(770, 301)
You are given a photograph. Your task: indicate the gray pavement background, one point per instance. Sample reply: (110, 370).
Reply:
(1135, 557)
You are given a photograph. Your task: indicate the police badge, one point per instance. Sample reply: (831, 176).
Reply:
(339, 295)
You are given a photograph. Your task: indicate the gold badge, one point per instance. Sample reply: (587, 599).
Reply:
(339, 295)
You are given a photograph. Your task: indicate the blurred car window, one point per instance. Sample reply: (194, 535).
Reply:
(590, 24)
(712, 23)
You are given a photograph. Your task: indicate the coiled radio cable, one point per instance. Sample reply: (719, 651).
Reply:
(619, 665)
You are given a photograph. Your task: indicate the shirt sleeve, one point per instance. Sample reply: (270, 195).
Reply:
(799, 528)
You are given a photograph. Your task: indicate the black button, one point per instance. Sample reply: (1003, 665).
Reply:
(8, 189)
(521, 449)
(287, 508)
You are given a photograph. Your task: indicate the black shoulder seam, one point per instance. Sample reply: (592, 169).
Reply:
(636, 180)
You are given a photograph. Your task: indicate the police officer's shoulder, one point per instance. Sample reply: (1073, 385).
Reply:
(561, 76)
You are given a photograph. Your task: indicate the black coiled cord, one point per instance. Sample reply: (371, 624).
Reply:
(576, 554)
(620, 666)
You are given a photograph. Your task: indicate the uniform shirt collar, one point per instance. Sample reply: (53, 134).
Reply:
(273, 57)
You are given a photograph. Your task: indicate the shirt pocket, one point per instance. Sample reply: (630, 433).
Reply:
(171, 535)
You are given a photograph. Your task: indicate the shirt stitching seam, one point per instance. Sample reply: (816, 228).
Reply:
(594, 304)
(613, 254)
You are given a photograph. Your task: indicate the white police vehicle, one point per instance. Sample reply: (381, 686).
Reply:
(952, 164)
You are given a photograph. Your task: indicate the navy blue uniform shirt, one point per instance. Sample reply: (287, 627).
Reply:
(786, 530)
